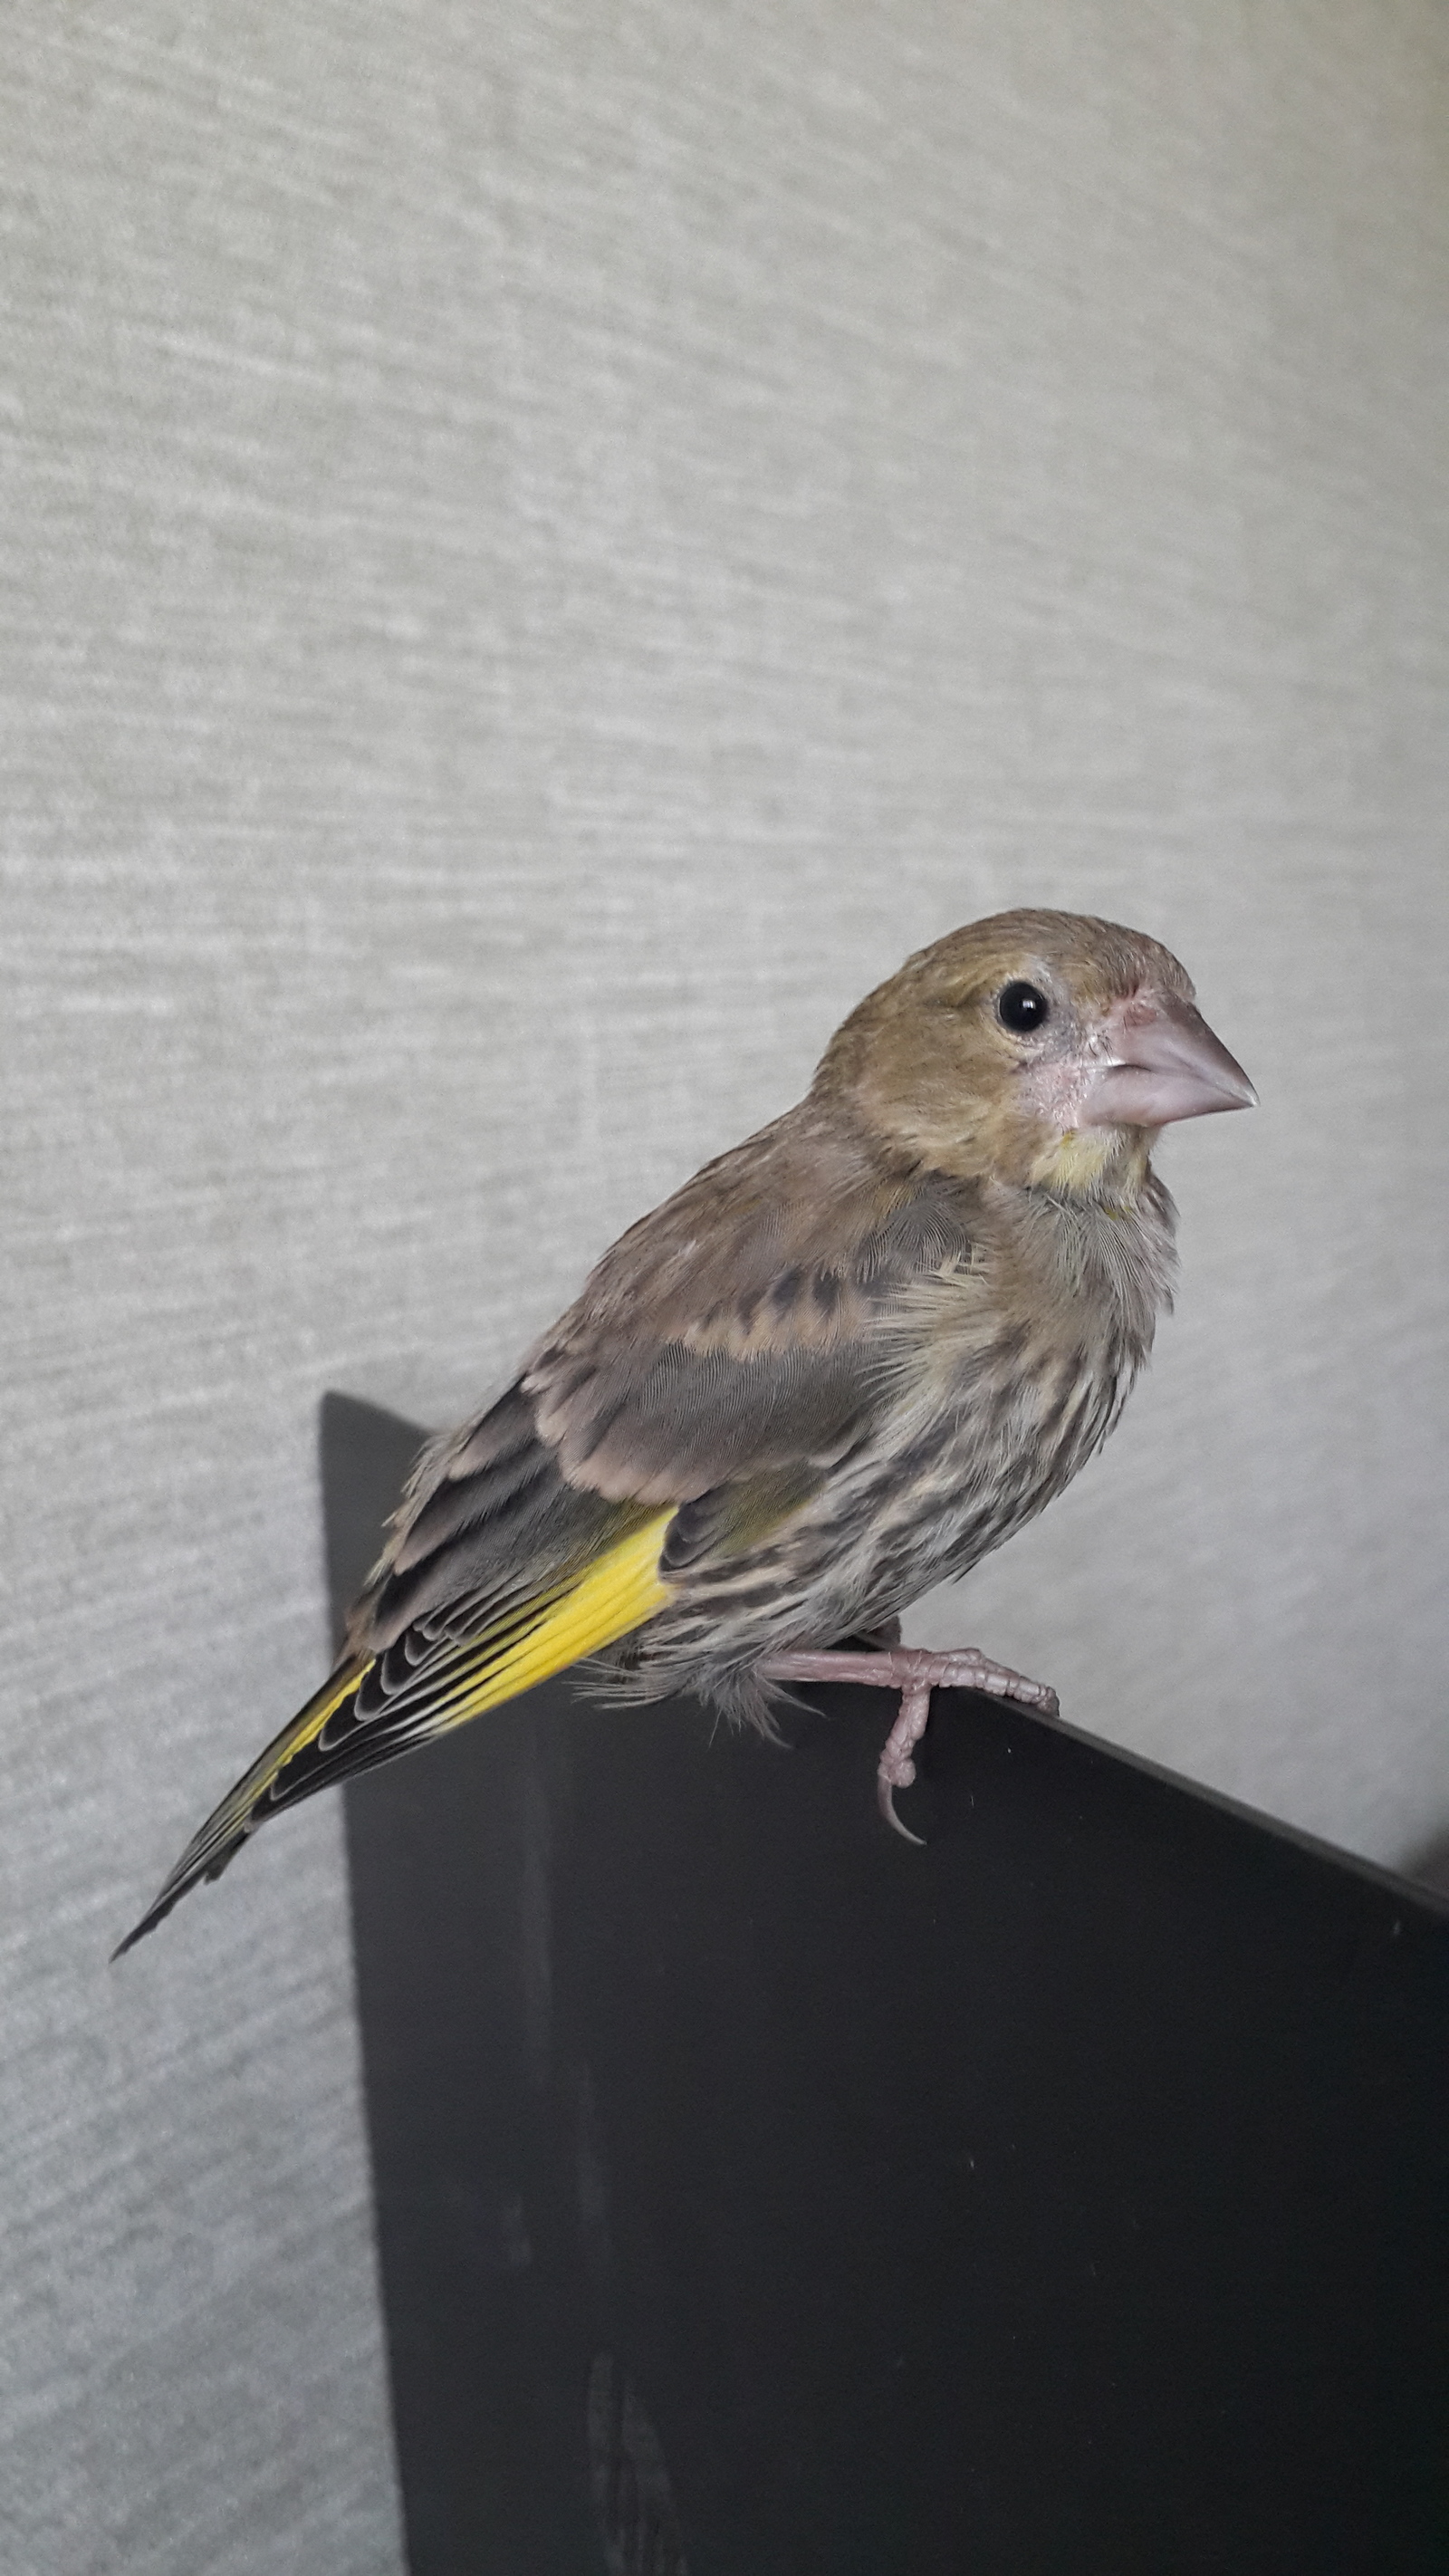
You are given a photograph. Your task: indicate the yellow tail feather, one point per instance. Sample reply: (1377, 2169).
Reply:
(208, 1851)
(610, 1598)
(305, 1728)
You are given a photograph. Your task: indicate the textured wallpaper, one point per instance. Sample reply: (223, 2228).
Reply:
(543, 548)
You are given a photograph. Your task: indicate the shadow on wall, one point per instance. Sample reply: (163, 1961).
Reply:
(1429, 1865)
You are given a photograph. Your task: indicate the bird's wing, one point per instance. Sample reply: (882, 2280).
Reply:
(722, 1358)
(740, 1331)
(733, 1338)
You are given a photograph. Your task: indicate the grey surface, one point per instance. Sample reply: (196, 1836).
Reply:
(542, 550)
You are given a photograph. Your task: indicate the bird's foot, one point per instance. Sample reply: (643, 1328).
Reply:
(915, 1672)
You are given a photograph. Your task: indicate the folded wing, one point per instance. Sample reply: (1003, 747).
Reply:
(723, 1357)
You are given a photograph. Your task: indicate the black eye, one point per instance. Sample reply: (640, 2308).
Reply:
(1022, 1008)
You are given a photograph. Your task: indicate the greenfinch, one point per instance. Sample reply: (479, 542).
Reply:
(838, 1366)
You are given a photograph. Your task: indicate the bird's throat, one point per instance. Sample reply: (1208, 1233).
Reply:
(1108, 1164)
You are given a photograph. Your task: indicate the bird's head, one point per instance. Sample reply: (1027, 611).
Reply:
(1044, 1049)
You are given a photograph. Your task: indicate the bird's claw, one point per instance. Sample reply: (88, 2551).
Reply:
(885, 1793)
(915, 1673)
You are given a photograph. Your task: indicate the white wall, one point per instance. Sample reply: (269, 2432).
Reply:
(543, 549)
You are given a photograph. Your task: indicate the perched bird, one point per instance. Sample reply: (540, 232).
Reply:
(841, 1363)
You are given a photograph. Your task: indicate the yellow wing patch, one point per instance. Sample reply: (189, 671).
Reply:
(620, 1590)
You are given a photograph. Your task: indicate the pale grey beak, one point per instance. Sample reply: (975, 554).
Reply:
(1163, 1063)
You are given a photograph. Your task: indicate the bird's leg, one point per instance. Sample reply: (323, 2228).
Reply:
(915, 1672)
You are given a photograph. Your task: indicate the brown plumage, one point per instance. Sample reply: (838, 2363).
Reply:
(841, 1363)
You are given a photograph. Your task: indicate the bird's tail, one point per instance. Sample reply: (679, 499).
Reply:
(226, 1829)
(364, 1714)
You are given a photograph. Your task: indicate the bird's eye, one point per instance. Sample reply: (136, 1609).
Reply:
(1022, 1008)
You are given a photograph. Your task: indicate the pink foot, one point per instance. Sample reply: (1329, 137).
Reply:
(915, 1672)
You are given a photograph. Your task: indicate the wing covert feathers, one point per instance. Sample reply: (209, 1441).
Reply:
(329, 1739)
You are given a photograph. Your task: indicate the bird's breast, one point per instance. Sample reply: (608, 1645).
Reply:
(1024, 1357)
(1085, 1273)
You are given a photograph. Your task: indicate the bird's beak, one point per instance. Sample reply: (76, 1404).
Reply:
(1162, 1062)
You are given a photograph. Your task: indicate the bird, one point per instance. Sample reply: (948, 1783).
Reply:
(836, 1367)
